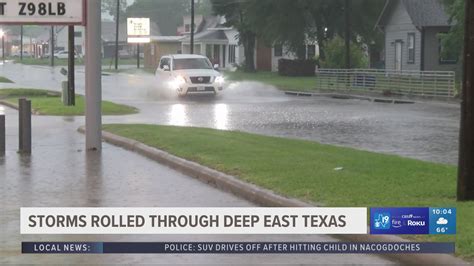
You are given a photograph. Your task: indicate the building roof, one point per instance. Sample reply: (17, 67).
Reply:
(167, 38)
(210, 35)
(423, 13)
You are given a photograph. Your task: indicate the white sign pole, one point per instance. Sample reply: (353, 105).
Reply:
(93, 76)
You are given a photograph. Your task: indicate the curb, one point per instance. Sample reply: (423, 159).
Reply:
(372, 98)
(264, 197)
(14, 106)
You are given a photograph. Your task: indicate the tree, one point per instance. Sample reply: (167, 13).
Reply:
(110, 7)
(204, 7)
(168, 14)
(292, 22)
(237, 15)
(452, 42)
(336, 55)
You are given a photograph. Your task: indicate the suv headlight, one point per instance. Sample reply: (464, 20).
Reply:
(180, 80)
(220, 79)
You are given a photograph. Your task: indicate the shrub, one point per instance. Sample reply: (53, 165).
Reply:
(335, 51)
(296, 68)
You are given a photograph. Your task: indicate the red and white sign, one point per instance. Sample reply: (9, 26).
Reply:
(65, 12)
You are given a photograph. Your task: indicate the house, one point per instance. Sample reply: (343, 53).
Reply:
(214, 40)
(220, 44)
(267, 56)
(160, 46)
(412, 31)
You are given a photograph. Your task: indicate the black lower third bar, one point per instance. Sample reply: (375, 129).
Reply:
(235, 247)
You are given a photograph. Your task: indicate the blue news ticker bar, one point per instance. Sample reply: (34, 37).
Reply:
(235, 247)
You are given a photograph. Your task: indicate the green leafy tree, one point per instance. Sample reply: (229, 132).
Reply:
(168, 14)
(237, 15)
(335, 55)
(292, 22)
(453, 41)
(204, 7)
(110, 7)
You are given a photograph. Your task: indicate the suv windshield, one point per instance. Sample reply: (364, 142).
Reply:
(191, 63)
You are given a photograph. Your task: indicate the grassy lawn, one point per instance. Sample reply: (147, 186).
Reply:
(49, 103)
(281, 82)
(305, 170)
(5, 80)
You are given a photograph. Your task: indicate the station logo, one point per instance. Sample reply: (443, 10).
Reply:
(399, 221)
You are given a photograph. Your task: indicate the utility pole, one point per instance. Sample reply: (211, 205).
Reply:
(465, 190)
(117, 24)
(3, 46)
(138, 55)
(93, 77)
(71, 100)
(347, 14)
(51, 47)
(21, 43)
(192, 27)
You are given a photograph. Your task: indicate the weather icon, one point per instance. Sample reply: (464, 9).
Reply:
(442, 221)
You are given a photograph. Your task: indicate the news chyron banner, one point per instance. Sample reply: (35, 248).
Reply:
(193, 220)
(233, 221)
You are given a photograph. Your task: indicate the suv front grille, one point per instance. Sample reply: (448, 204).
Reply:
(200, 80)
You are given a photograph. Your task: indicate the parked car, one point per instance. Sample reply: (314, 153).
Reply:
(187, 74)
(124, 54)
(64, 55)
(18, 53)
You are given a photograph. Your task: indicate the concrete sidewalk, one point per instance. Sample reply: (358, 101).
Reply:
(60, 173)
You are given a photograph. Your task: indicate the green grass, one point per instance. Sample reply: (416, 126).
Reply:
(5, 80)
(49, 103)
(305, 170)
(271, 78)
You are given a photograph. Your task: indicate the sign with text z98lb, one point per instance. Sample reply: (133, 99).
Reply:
(64, 12)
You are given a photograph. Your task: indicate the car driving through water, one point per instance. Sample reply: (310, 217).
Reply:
(189, 74)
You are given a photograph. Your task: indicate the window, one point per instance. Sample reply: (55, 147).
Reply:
(411, 48)
(311, 51)
(232, 54)
(209, 50)
(191, 63)
(278, 51)
(164, 62)
(78, 34)
(187, 28)
(447, 56)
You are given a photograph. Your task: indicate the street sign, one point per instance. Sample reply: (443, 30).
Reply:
(138, 30)
(64, 12)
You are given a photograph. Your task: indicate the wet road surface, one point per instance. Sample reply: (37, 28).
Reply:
(426, 131)
(59, 173)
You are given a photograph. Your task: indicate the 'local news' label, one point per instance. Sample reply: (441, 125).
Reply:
(193, 221)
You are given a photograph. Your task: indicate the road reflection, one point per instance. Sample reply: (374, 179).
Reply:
(221, 116)
(177, 115)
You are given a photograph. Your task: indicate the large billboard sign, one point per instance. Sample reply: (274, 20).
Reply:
(65, 12)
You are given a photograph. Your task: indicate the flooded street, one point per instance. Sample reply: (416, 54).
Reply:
(426, 131)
